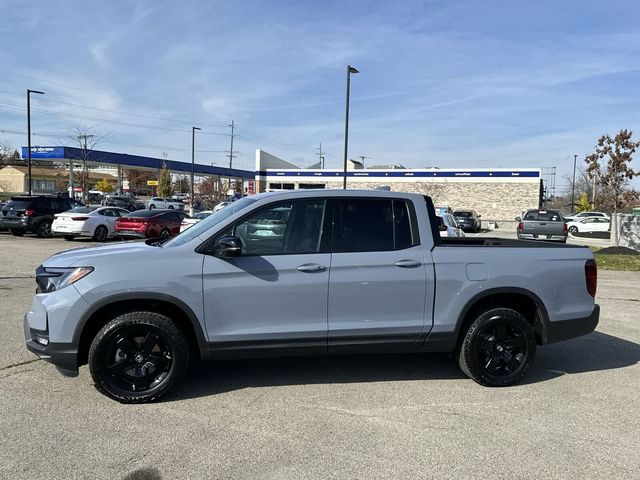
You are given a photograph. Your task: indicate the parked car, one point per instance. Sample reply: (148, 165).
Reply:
(160, 202)
(468, 220)
(354, 271)
(542, 225)
(448, 227)
(181, 197)
(221, 205)
(578, 216)
(150, 224)
(589, 225)
(440, 209)
(191, 221)
(125, 202)
(96, 222)
(23, 214)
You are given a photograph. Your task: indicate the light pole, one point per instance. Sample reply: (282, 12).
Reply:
(573, 184)
(193, 159)
(350, 70)
(29, 92)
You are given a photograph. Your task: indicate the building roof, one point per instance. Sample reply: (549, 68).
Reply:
(54, 172)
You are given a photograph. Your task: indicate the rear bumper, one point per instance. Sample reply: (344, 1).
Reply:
(130, 234)
(575, 327)
(546, 238)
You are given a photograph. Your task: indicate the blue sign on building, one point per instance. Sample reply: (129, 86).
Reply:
(43, 152)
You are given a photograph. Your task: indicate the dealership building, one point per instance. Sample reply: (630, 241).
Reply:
(498, 194)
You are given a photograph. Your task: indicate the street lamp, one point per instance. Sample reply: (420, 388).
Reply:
(29, 92)
(350, 70)
(573, 184)
(193, 158)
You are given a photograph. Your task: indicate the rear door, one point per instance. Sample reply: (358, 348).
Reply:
(378, 281)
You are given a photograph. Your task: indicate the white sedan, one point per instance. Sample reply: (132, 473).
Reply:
(160, 202)
(190, 221)
(448, 226)
(588, 225)
(94, 222)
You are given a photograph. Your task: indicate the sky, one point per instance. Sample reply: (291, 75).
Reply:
(446, 84)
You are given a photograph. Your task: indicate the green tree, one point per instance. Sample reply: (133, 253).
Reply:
(104, 186)
(584, 205)
(165, 188)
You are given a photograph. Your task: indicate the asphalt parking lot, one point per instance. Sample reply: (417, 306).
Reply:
(385, 416)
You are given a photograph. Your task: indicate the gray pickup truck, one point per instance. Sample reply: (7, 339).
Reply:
(548, 225)
(343, 272)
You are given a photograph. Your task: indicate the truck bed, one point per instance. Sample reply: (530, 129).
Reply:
(500, 242)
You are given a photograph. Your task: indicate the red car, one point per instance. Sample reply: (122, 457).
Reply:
(150, 224)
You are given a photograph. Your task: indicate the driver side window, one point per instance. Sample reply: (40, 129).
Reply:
(290, 227)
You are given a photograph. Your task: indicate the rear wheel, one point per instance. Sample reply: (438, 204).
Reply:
(138, 357)
(498, 348)
(43, 230)
(573, 229)
(101, 233)
(164, 234)
(68, 237)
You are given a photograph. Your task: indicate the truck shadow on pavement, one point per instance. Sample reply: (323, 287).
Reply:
(593, 352)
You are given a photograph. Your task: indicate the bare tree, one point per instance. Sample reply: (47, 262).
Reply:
(437, 191)
(614, 176)
(86, 139)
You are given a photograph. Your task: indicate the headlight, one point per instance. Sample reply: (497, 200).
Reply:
(52, 279)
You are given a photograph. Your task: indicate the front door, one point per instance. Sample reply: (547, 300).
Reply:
(274, 294)
(379, 276)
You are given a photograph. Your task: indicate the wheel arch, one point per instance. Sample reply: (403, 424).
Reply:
(522, 300)
(105, 310)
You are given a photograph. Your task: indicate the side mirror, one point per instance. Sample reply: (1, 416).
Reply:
(228, 247)
(479, 216)
(518, 219)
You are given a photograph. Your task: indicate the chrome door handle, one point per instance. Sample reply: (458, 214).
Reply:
(311, 268)
(407, 263)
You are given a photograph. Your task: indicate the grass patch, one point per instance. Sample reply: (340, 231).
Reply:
(628, 263)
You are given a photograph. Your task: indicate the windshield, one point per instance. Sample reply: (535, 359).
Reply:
(209, 222)
(462, 214)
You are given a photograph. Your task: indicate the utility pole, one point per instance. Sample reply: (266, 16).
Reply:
(193, 161)
(593, 191)
(29, 92)
(231, 155)
(321, 157)
(573, 184)
(362, 157)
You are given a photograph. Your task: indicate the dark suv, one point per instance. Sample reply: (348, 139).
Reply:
(123, 202)
(468, 220)
(33, 214)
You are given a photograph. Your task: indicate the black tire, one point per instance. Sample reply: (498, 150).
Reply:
(138, 357)
(164, 234)
(16, 232)
(573, 229)
(171, 207)
(100, 234)
(152, 206)
(498, 348)
(43, 230)
(69, 237)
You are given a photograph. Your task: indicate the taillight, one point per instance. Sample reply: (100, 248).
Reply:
(78, 219)
(591, 276)
(29, 212)
(520, 226)
(565, 229)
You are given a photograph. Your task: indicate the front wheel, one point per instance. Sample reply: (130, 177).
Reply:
(101, 233)
(138, 357)
(171, 207)
(498, 348)
(164, 234)
(43, 230)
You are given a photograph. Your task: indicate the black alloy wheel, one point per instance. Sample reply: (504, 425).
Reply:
(499, 348)
(138, 357)
(164, 234)
(171, 207)
(43, 230)
(101, 233)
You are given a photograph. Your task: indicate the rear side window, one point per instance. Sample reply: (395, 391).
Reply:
(372, 225)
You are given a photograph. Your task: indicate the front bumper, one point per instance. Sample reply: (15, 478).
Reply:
(64, 356)
(575, 327)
